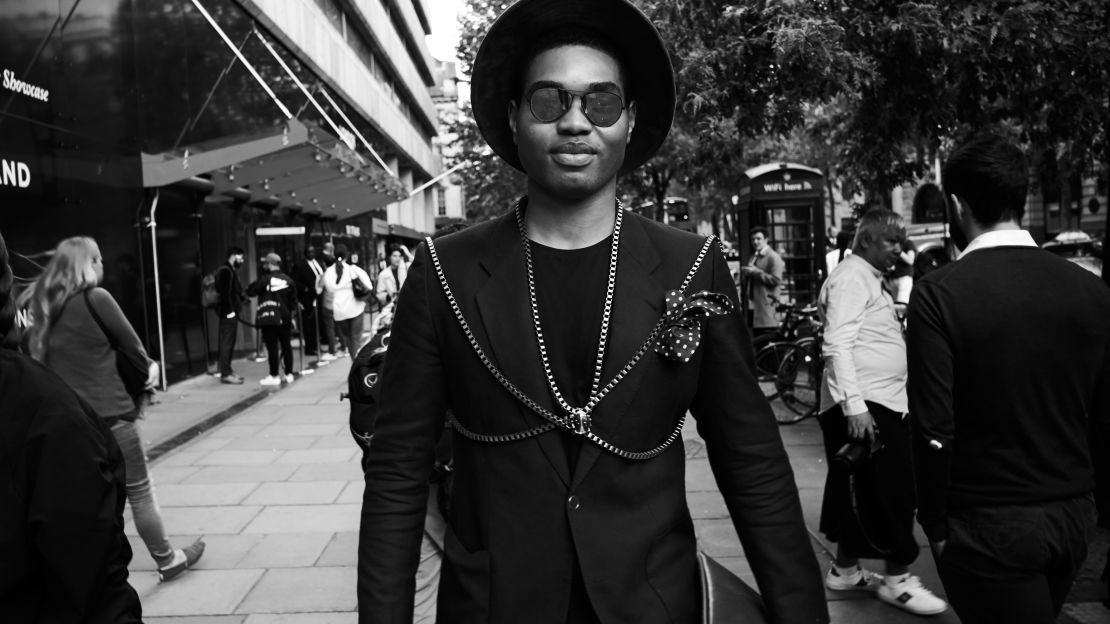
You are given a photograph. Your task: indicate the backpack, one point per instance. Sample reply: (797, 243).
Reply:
(209, 294)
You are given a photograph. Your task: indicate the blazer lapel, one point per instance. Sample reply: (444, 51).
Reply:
(506, 317)
(637, 306)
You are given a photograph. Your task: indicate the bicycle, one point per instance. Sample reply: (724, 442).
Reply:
(773, 349)
(798, 379)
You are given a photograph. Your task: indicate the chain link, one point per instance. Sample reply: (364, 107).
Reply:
(571, 421)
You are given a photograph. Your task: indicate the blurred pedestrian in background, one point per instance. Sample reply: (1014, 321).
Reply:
(306, 274)
(348, 310)
(79, 331)
(232, 297)
(762, 277)
(843, 248)
(1009, 358)
(392, 277)
(869, 500)
(277, 305)
(63, 552)
(327, 314)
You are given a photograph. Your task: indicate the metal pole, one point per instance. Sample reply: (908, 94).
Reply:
(157, 288)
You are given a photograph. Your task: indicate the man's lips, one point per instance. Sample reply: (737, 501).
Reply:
(574, 148)
(573, 154)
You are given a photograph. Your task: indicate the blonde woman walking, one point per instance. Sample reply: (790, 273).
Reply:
(79, 331)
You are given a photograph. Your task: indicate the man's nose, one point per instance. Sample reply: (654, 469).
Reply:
(574, 121)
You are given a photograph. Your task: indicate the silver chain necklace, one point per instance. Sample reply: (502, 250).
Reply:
(580, 416)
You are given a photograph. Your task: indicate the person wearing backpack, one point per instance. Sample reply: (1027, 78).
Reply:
(347, 308)
(231, 301)
(277, 299)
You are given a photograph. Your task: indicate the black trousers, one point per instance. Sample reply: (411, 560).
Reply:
(229, 332)
(308, 328)
(870, 512)
(275, 337)
(1014, 563)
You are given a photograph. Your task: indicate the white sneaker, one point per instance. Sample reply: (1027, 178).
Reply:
(909, 595)
(287, 378)
(270, 380)
(327, 357)
(862, 580)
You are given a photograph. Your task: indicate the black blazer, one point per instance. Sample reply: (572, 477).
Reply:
(520, 517)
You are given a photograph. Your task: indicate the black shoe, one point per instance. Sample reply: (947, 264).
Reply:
(231, 379)
(182, 560)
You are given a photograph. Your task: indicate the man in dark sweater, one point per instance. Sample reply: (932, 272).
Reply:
(1009, 356)
(232, 296)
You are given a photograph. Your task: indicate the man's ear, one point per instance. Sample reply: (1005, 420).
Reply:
(958, 214)
(512, 118)
(631, 112)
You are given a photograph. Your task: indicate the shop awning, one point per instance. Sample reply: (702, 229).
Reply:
(299, 166)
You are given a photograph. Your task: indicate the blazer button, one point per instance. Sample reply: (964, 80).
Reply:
(573, 502)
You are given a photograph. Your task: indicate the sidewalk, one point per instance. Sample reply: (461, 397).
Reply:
(276, 491)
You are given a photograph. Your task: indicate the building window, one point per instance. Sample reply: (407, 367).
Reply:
(441, 201)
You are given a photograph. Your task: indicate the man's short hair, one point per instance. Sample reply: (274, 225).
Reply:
(235, 251)
(991, 174)
(577, 37)
(759, 229)
(878, 224)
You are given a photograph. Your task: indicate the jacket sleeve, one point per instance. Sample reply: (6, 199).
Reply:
(752, 469)
(116, 323)
(844, 302)
(930, 388)
(73, 510)
(776, 268)
(410, 420)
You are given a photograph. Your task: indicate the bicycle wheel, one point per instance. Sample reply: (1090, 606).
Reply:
(767, 362)
(798, 382)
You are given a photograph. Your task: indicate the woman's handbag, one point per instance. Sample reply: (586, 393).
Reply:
(134, 379)
(360, 289)
(725, 598)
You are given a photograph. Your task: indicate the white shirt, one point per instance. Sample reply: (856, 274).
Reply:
(864, 350)
(1000, 238)
(344, 304)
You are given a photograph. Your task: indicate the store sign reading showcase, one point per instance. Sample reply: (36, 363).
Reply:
(12, 83)
(14, 173)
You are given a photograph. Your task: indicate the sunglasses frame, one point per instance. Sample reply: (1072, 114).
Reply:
(581, 95)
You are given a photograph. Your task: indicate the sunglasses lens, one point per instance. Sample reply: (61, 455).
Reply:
(546, 104)
(603, 109)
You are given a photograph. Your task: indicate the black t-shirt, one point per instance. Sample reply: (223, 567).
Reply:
(570, 293)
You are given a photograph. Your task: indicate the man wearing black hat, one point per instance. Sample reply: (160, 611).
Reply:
(568, 339)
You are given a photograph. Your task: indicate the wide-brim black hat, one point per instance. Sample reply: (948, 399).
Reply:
(629, 31)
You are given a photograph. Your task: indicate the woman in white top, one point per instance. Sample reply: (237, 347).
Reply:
(348, 310)
(393, 276)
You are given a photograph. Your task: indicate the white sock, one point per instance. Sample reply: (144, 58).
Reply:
(894, 579)
(848, 573)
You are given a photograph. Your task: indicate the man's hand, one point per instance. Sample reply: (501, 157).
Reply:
(861, 425)
(749, 270)
(230, 315)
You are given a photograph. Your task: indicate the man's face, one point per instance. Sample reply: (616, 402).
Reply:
(237, 260)
(395, 258)
(310, 252)
(329, 251)
(759, 241)
(571, 158)
(882, 251)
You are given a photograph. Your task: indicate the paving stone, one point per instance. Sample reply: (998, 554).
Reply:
(315, 415)
(274, 443)
(302, 590)
(717, 538)
(238, 458)
(341, 551)
(328, 472)
(257, 417)
(318, 456)
(286, 550)
(348, 617)
(236, 430)
(352, 493)
(198, 619)
(344, 440)
(241, 474)
(302, 493)
(699, 477)
(202, 494)
(171, 474)
(222, 552)
(706, 505)
(199, 592)
(306, 519)
(181, 458)
(202, 520)
(207, 443)
(304, 430)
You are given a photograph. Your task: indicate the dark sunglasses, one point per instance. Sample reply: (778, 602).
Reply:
(548, 104)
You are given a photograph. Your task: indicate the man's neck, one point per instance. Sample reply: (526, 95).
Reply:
(976, 230)
(555, 222)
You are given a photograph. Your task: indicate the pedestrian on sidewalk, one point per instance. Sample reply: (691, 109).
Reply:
(232, 297)
(277, 302)
(1009, 361)
(347, 309)
(762, 277)
(392, 277)
(869, 501)
(326, 308)
(63, 553)
(78, 330)
(568, 502)
(306, 274)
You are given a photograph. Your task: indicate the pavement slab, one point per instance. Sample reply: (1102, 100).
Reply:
(301, 590)
(305, 518)
(301, 493)
(288, 550)
(198, 592)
